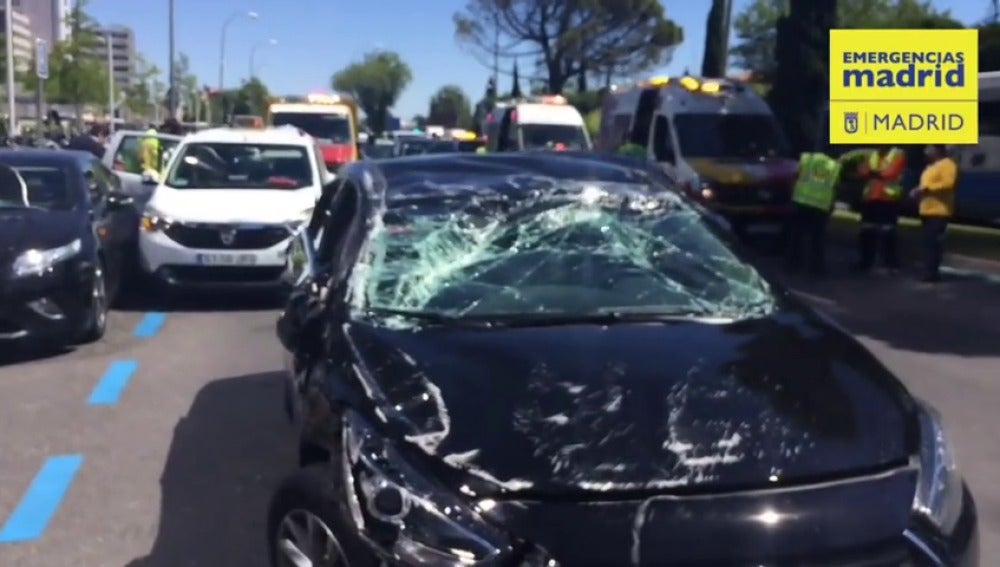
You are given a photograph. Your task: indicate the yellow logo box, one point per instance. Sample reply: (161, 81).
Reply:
(904, 86)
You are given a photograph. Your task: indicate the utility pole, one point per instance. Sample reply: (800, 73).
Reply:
(111, 82)
(11, 101)
(172, 88)
(496, 52)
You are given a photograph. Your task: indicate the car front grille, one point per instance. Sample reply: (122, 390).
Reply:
(227, 237)
(223, 274)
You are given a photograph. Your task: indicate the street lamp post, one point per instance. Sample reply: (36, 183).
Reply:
(253, 55)
(222, 51)
(111, 83)
(222, 42)
(11, 101)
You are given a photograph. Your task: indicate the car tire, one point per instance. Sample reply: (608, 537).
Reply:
(314, 498)
(95, 316)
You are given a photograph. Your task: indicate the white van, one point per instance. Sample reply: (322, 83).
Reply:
(227, 207)
(541, 123)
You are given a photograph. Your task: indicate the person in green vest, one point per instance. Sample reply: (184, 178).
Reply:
(633, 150)
(812, 202)
(149, 154)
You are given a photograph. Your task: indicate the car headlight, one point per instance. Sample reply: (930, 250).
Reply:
(409, 516)
(153, 221)
(939, 486)
(36, 262)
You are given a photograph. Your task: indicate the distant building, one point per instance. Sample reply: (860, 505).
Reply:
(48, 18)
(22, 37)
(123, 53)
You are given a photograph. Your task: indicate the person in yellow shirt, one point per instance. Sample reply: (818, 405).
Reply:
(149, 153)
(937, 204)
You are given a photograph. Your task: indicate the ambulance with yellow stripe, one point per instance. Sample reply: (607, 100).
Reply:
(718, 136)
(332, 120)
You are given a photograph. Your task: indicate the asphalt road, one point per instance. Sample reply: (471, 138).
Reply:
(173, 464)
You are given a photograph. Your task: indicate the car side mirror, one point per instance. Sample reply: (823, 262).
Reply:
(300, 259)
(300, 277)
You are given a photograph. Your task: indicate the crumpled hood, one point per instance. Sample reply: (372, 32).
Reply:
(659, 406)
(25, 229)
(233, 205)
(774, 172)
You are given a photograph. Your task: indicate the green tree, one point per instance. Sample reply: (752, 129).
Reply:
(989, 48)
(515, 83)
(801, 82)
(138, 96)
(254, 94)
(75, 75)
(756, 26)
(375, 82)
(187, 86)
(714, 62)
(449, 107)
(569, 38)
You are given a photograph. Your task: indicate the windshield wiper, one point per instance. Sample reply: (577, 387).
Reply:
(550, 319)
(427, 317)
(609, 317)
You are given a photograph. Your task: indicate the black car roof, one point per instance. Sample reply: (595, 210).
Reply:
(72, 158)
(465, 168)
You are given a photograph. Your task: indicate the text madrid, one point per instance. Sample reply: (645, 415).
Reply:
(915, 122)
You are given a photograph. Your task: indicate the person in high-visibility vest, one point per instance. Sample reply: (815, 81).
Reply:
(633, 150)
(812, 201)
(149, 153)
(880, 204)
(937, 205)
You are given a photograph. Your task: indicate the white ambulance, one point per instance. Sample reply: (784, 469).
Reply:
(538, 123)
(720, 138)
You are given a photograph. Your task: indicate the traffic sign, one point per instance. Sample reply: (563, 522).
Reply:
(42, 59)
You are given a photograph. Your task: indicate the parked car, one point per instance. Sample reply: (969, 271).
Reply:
(223, 214)
(554, 359)
(62, 234)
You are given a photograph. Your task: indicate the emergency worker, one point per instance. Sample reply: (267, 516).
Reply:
(880, 204)
(149, 153)
(937, 205)
(812, 201)
(632, 149)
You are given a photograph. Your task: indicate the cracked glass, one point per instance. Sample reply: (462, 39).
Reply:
(561, 248)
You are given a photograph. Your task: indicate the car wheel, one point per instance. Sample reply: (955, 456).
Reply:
(309, 523)
(95, 318)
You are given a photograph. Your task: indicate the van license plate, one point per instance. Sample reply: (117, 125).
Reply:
(227, 259)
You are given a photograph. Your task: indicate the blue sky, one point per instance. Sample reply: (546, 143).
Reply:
(315, 38)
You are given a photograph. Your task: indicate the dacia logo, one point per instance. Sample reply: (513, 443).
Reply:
(851, 122)
(228, 237)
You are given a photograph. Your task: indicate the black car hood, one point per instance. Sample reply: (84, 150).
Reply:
(684, 406)
(24, 229)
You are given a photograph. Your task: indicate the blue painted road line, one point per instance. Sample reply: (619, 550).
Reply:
(109, 389)
(150, 325)
(40, 503)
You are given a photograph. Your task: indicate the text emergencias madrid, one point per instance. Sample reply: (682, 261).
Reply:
(904, 86)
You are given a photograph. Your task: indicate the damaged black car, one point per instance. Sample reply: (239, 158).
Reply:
(541, 360)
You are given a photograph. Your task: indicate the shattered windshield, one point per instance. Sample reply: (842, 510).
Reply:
(602, 249)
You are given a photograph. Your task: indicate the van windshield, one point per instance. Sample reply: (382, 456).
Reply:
(553, 136)
(721, 136)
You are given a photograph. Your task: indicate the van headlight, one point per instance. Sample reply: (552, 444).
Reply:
(36, 262)
(939, 486)
(154, 221)
(406, 514)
